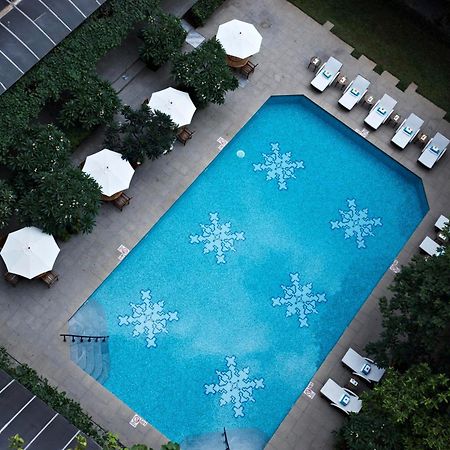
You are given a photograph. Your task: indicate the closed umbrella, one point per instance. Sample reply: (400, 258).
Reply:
(109, 170)
(239, 39)
(176, 104)
(29, 252)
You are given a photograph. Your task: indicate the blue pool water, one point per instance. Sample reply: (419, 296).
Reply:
(245, 325)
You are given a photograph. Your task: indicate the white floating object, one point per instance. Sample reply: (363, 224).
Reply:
(240, 153)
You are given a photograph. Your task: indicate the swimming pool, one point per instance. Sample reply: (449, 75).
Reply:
(223, 312)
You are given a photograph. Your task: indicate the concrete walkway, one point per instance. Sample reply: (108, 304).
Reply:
(32, 316)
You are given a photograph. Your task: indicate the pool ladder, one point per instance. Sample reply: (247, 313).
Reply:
(82, 337)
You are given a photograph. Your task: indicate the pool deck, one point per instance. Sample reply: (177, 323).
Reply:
(32, 316)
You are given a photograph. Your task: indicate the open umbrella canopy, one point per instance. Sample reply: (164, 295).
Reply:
(29, 252)
(239, 39)
(176, 104)
(109, 170)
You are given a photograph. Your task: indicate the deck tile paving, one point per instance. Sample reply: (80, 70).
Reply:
(33, 316)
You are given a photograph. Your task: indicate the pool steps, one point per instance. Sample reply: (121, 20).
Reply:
(93, 357)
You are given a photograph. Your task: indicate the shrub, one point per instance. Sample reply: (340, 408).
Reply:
(61, 203)
(42, 148)
(40, 387)
(203, 9)
(66, 67)
(405, 411)
(142, 133)
(7, 201)
(94, 103)
(205, 74)
(416, 320)
(163, 38)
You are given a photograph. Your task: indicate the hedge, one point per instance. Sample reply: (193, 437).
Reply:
(67, 66)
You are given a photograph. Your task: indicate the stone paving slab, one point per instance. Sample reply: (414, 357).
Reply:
(32, 316)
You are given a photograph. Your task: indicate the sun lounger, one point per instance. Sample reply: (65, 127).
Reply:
(381, 111)
(341, 398)
(407, 131)
(441, 223)
(362, 367)
(430, 247)
(354, 92)
(434, 150)
(326, 74)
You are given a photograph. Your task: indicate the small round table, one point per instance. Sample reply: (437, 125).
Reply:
(111, 198)
(236, 63)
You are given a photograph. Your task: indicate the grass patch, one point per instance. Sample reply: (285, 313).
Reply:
(386, 34)
(356, 54)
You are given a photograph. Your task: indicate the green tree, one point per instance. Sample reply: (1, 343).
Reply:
(7, 201)
(62, 203)
(94, 103)
(203, 9)
(163, 38)
(42, 148)
(142, 133)
(405, 411)
(416, 319)
(204, 73)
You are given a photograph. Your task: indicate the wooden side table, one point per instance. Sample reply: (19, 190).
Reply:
(369, 101)
(421, 140)
(395, 119)
(355, 386)
(341, 82)
(314, 63)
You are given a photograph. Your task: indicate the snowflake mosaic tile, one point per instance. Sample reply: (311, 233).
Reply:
(217, 237)
(279, 166)
(234, 386)
(148, 318)
(299, 299)
(356, 223)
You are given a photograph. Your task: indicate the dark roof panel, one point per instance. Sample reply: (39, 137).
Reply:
(30, 29)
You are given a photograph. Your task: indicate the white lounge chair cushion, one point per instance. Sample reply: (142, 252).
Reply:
(362, 367)
(431, 247)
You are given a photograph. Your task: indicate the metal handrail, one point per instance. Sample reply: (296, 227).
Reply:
(81, 336)
(226, 439)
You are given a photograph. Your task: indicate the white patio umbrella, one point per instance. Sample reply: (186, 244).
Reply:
(239, 39)
(176, 104)
(29, 252)
(109, 170)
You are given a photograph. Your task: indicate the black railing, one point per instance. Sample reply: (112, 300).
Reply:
(82, 337)
(225, 437)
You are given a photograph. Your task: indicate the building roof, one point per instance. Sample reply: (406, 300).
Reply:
(29, 29)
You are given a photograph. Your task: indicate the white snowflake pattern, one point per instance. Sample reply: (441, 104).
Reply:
(278, 166)
(234, 386)
(148, 318)
(356, 223)
(300, 299)
(217, 238)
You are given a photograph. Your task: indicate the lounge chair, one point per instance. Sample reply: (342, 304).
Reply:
(354, 92)
(441, 223)
(184, 135)
(121, 201)
(248, 69)
(326, 74)
(407, 131)
(430, 247)
(363, 367)
(341, 398)
(434, 150)
(12, 278)
(381, 111)
(49, 278)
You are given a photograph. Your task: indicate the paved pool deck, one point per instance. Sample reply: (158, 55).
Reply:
(33, 316)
